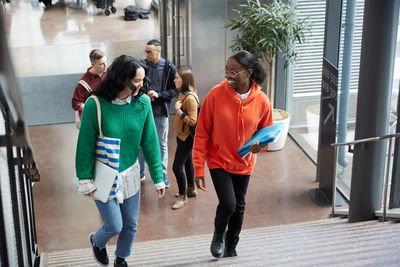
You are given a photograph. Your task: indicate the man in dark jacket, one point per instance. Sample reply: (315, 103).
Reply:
(161, 89)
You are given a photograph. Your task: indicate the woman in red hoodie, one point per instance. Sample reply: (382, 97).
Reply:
(231, 113)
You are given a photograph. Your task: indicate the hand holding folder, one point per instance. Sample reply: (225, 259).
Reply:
(104, 177)
(265, 135)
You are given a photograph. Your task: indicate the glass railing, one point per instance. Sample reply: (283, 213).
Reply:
(18, 172)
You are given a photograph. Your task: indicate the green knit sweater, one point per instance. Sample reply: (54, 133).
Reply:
(132, 123)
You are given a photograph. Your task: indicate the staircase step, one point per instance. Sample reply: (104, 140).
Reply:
(332, 242)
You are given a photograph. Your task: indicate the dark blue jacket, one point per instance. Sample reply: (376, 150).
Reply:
(168, 89)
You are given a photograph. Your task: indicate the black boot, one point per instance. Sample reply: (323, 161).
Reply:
(120, 262)
(230, 246)
(217, 244)
(100, 254)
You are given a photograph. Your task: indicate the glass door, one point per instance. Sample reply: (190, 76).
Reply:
(175, 31)
(304, 90)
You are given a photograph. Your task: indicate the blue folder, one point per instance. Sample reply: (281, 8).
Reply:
(265, 135)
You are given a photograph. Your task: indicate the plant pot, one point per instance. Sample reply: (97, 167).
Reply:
(280, 116)
(312, 118)
(145, 4)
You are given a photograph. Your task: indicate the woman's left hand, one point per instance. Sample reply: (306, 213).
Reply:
(178, 105)
(255, 147)
(161, 192)
(90, 195)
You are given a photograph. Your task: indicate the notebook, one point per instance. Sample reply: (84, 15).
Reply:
(104, 177)
(265, 135)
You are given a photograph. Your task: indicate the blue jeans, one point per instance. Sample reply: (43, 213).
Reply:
(162, 127)
(121, 220)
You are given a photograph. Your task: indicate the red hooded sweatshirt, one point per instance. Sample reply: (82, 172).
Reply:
(225, 124)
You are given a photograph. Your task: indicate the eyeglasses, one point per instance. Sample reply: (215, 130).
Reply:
(151, 51)
(233, 74)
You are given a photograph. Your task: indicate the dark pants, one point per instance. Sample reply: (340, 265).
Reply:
(231, 191)
(183, 157)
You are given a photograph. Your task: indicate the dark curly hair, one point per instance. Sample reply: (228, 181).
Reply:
(122, 69)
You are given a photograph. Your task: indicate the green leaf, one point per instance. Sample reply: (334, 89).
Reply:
(266, 29)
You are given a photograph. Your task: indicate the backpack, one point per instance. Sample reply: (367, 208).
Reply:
(193, 128)
(131, 12)
(77, 117)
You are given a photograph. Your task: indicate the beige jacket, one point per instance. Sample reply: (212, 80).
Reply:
(186, 115)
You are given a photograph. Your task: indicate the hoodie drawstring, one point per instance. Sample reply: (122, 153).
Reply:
(241, 134)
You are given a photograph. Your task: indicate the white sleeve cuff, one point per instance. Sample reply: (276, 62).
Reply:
(86, 186)
(159, 185)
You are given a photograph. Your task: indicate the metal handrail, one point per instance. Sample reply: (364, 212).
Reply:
(366, 140)
(362, 141)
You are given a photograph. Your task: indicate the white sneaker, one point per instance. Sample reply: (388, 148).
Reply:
(142, 178)
(180, 202)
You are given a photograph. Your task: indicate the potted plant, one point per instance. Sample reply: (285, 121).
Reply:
(266, 30)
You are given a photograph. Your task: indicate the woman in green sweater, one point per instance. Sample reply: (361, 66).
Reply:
(126, 115)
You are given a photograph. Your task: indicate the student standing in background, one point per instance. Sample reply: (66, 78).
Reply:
(186, 115)
(88, 82)
(161, 89)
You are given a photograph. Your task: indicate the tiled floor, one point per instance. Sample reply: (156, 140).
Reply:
(57, 41)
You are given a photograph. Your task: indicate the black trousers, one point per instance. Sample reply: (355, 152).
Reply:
(231, 191)
(183, 157)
